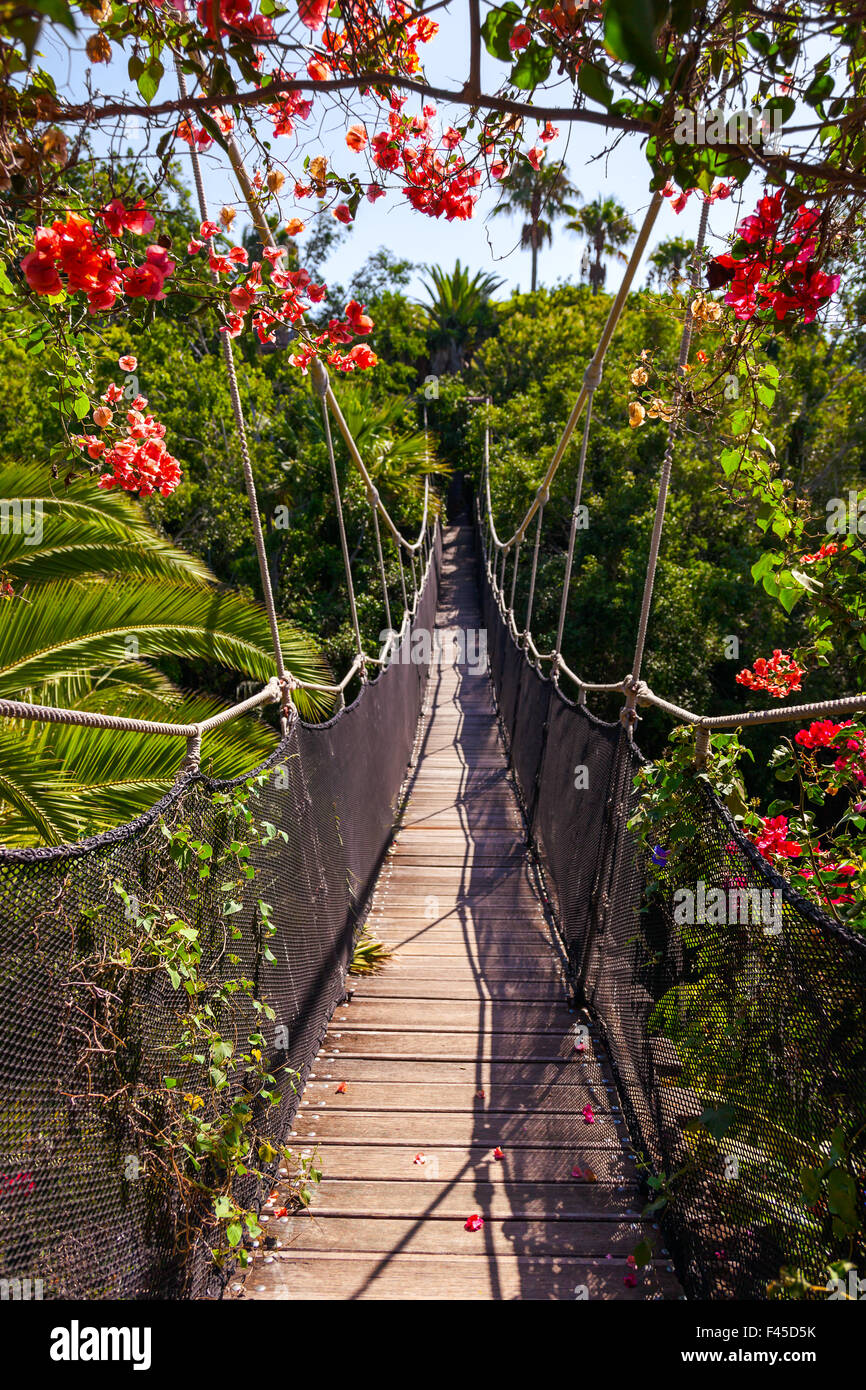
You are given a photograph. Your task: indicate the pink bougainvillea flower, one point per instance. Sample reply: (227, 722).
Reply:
(498, 169)
(577, 1172)
(520, 37)
(630, 1281)
(127, 363)
(588, 1117)
(474, 1222)
(535, 156)
(207, 230)
(374, 192)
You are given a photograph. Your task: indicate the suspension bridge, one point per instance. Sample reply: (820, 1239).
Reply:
(553, 1091)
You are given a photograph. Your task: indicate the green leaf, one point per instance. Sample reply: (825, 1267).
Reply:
(497, 30)
(630, 30)
(532, 67)
(234, 1231)
(594, 84)
(148, 82)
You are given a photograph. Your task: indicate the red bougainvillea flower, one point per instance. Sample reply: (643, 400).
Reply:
(118, 218)
(520, 37)
(112, 394)
(824, 553)
(778, 676)
(341, 1089)
(374, 192)
(40, 267)
(818, 735)
(313, 13)
(356, 138)
(359, 321)
(207, 230)
(474, 1223)
(361, 356)
(630, 1281)
(127, 363)
(342, 213)
(420, 1159)
(772, 840)
(535, 156)
(497, 1153)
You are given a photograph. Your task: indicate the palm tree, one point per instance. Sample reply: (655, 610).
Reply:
(541, 196)
(73, 638)
(458, 313)
(607, 228)
(669, 260)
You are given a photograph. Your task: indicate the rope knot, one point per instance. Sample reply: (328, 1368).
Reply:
(592, 376)
(373, 496)
(319, 377)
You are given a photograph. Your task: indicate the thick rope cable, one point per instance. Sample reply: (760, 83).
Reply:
(240, 423)
(596, 364)
(667, 465)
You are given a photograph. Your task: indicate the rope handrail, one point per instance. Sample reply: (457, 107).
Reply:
(91, 719)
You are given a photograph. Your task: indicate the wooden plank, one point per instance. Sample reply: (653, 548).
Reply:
(575, 1239)
(348, 1276)
(454, 1128)
(462, 1164)
(433, 1096)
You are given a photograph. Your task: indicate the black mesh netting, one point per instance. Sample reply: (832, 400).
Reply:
(740, 1048)
(80, 1039)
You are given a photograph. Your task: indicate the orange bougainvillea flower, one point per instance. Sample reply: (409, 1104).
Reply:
(356, 137)
(342, 1088)
(497, 1153)
(474, 1222)
(102, 416)
(294, 227)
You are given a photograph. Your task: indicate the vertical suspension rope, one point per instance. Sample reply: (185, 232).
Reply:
(514, 578)
(667, 464)
(320, 385)
(527, 625)
(592, 378)
(402, 581)
(237, 410)
(373, 499)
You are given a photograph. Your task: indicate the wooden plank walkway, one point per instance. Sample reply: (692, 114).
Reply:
(462, 1048)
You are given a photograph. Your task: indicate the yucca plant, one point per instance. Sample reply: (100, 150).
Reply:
(100, 600)
(369, 955)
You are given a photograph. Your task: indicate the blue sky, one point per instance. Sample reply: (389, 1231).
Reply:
(482, 243)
